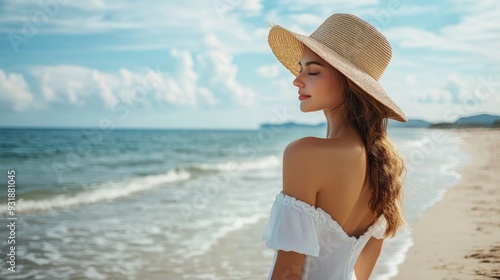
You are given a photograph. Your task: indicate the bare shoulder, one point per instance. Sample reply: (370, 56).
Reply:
(298, 170)
(310, 163)
(320, 151)
(302, 147)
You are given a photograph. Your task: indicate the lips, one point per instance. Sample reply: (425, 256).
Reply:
(303, 96)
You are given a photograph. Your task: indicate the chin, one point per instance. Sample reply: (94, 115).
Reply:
(305, 109)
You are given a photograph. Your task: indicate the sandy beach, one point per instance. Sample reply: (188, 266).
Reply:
(459, 237)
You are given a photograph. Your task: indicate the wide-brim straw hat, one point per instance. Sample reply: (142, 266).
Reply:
(350, 45)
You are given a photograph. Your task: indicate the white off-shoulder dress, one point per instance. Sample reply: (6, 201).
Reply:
(295, 225)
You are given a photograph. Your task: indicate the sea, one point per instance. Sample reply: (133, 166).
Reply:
(173, 204)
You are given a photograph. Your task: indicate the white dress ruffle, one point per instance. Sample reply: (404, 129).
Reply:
(331, 253)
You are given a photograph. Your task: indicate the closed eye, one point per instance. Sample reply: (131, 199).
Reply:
(310, 63)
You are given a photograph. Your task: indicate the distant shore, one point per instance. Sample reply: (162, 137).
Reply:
(475, 121)
(458, 238)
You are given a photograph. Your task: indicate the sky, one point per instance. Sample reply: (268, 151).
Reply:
(206, 64)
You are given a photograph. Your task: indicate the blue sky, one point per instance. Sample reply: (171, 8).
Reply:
(206, 64)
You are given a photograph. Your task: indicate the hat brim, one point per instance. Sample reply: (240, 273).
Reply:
(288, 46)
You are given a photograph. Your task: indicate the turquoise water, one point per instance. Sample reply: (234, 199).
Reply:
(174, 204)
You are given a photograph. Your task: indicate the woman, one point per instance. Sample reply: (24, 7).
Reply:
(341, 194)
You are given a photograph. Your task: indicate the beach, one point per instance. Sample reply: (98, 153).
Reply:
(459, 237)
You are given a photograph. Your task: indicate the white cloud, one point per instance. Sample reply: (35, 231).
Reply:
(212, 41)
(475, 33)
(269, 71)
(149, 25)
(307, 19)
(467, 6)
(411, 79)
(223, 77)
(88, 5)
(405, 10)
(183, 87)
(457, 89)
(478, 27)
(79, 86)
(14, 90)
(207, 96)
(106, 91)
(251, 5)
(437, 71)
(432, 94)
(298, 29)
(413, 37)
(216, 65)
(435, 95)
(340, 5)
(450, 90)
(221, 72)
(68, 83)
(187, 78)
(261, 33)
(239, 8)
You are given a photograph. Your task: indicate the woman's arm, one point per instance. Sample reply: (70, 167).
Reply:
(288, 265)
(299, 181)
(368, 258)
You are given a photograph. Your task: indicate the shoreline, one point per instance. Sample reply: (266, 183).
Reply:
(457, 238)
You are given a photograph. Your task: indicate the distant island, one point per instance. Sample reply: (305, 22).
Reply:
(482, 120)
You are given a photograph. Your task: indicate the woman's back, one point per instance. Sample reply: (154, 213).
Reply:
(344, 194)
(339, 173)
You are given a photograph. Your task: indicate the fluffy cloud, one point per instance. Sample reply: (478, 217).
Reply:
(433, 96)
(223, 77)
(307, 19)
(78, 85)
(476, 33)
(251, 5)
(339, 5)
(15, 92)
(452, 90)
(182, 87)
(75, 84)
(269, 71)
(154, 22)
(218, 72)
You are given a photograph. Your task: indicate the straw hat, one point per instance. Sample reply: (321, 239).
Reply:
(349, 44)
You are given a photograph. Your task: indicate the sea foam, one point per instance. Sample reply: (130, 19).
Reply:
(103, 192)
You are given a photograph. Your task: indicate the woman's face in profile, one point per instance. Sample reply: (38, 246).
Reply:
(320, 85)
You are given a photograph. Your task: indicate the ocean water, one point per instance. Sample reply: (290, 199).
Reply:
(173, 204)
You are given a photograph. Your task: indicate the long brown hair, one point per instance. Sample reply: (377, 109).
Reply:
(385, 166)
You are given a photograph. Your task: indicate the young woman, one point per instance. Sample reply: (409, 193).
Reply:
(341, 194)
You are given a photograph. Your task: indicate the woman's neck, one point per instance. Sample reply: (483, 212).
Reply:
(336, 124)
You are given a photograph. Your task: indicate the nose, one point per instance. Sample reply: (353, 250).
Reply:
(298, 82)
